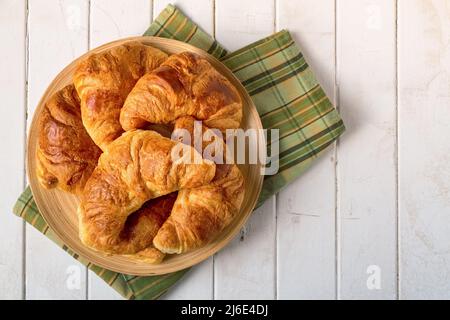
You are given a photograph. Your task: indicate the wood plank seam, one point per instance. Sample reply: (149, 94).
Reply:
(214, 12)
(397, 153)
(337, 217)
(365, 45)
(24, 229)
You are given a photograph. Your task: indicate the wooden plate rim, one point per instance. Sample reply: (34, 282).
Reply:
(34, 185)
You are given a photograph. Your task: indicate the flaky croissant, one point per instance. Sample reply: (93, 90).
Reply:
(105, 79)
(184, 85)
(136, 167)
(141, 227)
(66, 154)
(200, 214)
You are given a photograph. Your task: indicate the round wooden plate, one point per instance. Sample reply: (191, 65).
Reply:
(59, 208)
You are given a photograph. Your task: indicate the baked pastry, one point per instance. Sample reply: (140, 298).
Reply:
(184, 85)
(136, 167)
(141, 227)
(66, 155)
(200, 214)
(144, 196)
(105, 79)
(148, 255)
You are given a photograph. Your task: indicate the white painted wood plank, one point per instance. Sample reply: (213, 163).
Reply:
(99, 289)
(306, 209)
(109, 21)
(12, 137)
(366, 72)
(424, 151)
(57, 35)
(245, 269)
(198, 283)
(239, 23)
(112, 20)
(311, 24)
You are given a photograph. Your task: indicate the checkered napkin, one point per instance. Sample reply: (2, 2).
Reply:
(287, 96)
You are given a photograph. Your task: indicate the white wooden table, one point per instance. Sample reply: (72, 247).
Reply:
(370, 220)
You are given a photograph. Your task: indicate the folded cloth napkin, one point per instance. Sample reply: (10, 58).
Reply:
(287, 96)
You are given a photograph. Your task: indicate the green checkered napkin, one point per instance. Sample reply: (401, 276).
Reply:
(287, 96)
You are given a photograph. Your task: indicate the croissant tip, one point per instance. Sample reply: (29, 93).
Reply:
(167, 240)
(149, 255)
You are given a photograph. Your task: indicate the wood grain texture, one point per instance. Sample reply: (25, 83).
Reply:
(366, 61)
(198, 283)
(112, 20)
(239, 23)
(99, 289)
(306, 208)
(57, 35)
(246, 268)
(12, 130)
(366, 76)
(424, 151)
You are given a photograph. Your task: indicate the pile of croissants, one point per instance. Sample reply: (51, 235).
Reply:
(97, 140)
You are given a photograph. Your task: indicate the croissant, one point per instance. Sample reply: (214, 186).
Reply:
(148, 255)
(103, 81)
(200, 214)
(136, 167)
(184, 85)
(66, 154)
(141, 227)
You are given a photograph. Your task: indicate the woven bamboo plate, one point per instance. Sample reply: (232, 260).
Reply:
(59, 208)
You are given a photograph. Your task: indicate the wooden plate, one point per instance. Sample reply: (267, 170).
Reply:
(59, 208)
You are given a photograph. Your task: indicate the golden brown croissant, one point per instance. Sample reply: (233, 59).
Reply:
(136, 167)
(104, 80)
(65, 152)
(148, 255)
(141, 227)
(200, 214)
(184, 85)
